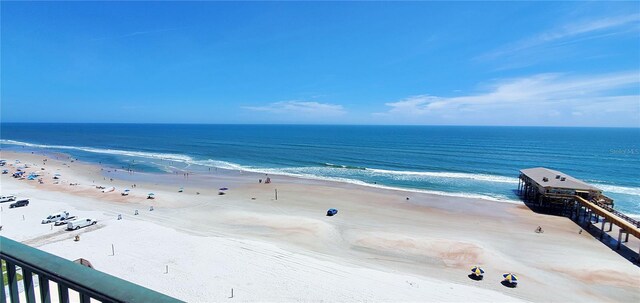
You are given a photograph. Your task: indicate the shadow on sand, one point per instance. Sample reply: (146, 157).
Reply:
(583, 226)
(475, 278)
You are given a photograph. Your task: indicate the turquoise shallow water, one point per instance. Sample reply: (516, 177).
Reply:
(453, 160)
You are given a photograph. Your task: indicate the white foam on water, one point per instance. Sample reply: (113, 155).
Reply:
(449, 175)
(633, 191)
(160, 156)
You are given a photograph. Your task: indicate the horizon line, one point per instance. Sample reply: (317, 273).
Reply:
(322, 124)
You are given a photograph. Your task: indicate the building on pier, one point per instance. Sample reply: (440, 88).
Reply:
(548, 188)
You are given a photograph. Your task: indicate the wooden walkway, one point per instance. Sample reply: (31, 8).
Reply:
(629, 225)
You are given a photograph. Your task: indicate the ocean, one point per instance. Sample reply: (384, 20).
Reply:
(462, 161)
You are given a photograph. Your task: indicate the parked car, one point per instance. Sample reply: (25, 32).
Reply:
(7, 198)
(55, 217)
(65, 221)
(77, 224)
(19, 203)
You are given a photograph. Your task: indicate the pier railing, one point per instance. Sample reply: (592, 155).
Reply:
(23, 265)
(621, 215)
(627, 224)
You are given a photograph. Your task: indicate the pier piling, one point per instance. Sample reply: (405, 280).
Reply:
(619, 238)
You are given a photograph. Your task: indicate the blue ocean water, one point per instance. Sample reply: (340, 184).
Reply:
(452, 160)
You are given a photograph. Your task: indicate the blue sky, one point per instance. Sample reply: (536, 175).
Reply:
(433, 63)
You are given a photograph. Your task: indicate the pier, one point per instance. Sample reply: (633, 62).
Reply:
(553, 191)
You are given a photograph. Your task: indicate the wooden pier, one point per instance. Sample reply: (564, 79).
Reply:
(552, 190)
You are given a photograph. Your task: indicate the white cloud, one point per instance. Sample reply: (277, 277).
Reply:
(300, 107)
(533, 99)
(567, 34)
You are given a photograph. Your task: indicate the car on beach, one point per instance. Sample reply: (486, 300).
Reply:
(79, 223)
(7, 198)
(20, 203)
(55, 217)
(65, 221)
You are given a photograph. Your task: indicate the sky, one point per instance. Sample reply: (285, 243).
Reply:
(414, 63)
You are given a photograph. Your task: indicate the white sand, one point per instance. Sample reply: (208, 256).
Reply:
(378, 248)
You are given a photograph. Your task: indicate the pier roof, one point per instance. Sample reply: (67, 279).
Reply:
(538, 174)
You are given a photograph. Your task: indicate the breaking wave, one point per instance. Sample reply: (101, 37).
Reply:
(159, 156)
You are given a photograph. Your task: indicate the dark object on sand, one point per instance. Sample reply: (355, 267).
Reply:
(332, 212)
(477, 273)
(474, 277)
(510, 280)
(20, 203)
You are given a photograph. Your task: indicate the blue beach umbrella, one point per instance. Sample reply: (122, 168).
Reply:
(511, 278)
(476, 270)
(224, 188)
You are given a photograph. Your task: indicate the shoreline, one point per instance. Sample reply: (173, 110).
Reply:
(429, 240)
(259, 173)
(155, 160)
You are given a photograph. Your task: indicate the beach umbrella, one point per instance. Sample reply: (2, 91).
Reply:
(511, 278)
(476, 270)
(223, 188)
(127, 190)
(150, 194)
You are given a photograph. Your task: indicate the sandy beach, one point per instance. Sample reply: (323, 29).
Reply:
(197, 245)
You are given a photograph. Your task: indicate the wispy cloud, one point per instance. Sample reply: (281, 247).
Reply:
(542, 96)
(566, 34)
(137, 33)
(300, 107)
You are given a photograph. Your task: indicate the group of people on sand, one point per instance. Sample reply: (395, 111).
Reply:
(266, 181)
